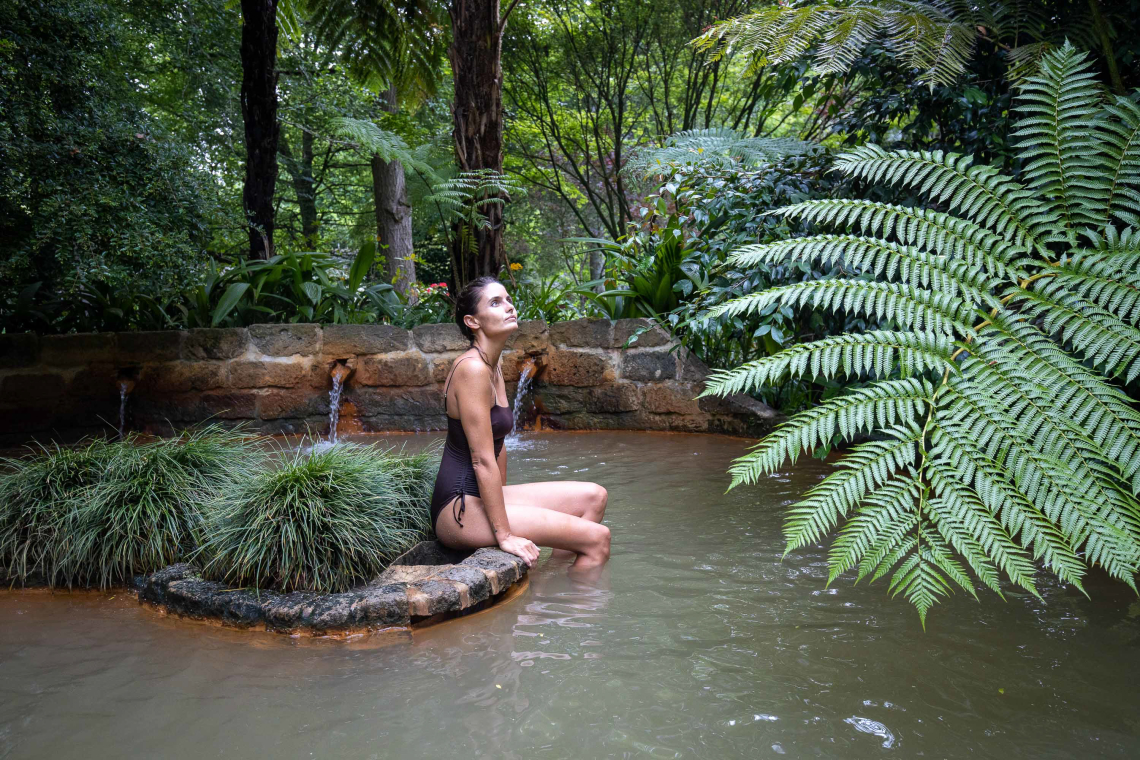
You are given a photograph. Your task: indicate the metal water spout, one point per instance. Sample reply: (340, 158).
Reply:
(126, 385)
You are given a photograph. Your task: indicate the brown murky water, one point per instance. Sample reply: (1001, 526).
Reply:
(698, 642)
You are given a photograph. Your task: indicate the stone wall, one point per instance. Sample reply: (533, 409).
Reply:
(276, 378)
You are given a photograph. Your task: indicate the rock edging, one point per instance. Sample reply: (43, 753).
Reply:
(427, 583)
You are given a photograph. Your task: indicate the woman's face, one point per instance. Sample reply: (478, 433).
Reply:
(495, 314)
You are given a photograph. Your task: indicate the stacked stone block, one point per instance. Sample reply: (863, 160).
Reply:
(276, 379)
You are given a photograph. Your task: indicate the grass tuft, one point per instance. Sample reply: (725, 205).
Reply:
(34, 493)
(100, 514)
(321, 521)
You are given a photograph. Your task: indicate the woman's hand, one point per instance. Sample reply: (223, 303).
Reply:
(521, 547)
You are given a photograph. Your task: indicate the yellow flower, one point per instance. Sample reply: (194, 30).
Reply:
(515, 266)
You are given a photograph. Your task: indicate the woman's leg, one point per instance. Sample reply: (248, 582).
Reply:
(578, 498)
(546, 527)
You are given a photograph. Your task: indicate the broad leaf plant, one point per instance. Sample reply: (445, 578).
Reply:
(994, 436)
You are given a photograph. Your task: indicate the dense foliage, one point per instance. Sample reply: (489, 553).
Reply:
(102, 513)
(1001, 435)
(99, 514)
(708, 207)
(320, 520)
(96, 198)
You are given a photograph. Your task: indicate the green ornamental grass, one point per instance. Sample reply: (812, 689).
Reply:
(100, 514)
(34, 493)
(320, 521)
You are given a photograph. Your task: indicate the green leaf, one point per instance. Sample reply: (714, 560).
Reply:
(228, 302)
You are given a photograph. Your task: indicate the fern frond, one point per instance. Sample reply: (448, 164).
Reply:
(931, 42)
(374, 140)
(719, 147)
(927, 38)
(1120, 140)
(1060, 472)
(1056, 137)
(1103, 413)
(861, 474)
(974, 532)
(910, 307)
(928, 230)
(1111, 281)
(979, 193)
(467, 195)
(882, 521)
(884, 259)
(883, 404)
(1027, 453)
(875, 354)
(1020, 517)
(1099, 336)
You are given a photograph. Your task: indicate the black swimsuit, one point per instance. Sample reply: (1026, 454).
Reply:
(456, 472)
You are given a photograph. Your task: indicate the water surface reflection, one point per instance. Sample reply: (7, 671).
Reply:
(697, 642)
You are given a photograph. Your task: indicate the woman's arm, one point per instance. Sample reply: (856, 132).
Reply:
(473, 394)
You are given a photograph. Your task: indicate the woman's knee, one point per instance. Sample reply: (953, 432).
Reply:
(596, 499)
(600, 540)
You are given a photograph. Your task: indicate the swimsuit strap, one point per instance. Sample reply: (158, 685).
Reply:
(494, 390)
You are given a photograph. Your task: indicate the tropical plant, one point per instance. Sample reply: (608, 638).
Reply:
(543, 298)
(1000, 437)
(428, 305)
(720, 147)
(290, 287)
(389, 146)
(722, 210)
(636, 283)
(934, 37)
(466, 200)
(320, 520)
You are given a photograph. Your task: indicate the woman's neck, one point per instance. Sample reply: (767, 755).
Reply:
(489, 349)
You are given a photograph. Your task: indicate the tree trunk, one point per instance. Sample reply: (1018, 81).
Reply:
(394, 214)
(477, 117)
(259, 111)
(598, 268)
(301, 173)
(1100, 25)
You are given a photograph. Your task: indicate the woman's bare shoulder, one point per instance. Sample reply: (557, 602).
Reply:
(470, 367)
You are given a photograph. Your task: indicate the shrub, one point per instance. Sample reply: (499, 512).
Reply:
(103, 513)
(1003, 437)
(34, 492)
(320, 521)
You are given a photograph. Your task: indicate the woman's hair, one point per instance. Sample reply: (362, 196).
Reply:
(468, 301)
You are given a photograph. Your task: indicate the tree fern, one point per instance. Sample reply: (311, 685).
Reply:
(467, 195)
(717, 147)
(935, 38)
(998, 441)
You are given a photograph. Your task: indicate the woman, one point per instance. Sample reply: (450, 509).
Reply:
(472, 506)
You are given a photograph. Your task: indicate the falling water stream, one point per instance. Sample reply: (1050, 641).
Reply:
(124, 391)
(334, 406)
(526, 376)
(339, 374)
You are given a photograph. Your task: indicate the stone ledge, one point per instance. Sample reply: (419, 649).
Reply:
(426, 582)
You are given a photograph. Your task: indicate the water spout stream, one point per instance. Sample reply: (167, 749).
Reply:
(526, 376)
(334, 402)
(125, 386)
